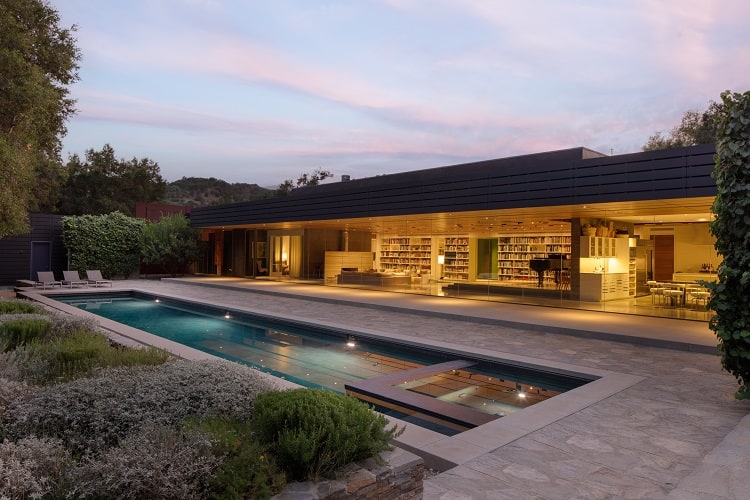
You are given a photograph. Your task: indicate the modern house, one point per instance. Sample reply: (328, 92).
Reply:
(572, 224)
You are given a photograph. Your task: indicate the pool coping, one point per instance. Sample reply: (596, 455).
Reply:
(440, 452)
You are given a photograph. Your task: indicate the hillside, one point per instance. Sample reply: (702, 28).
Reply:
(200, 192)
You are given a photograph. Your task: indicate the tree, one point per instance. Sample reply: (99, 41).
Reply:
(111, 243)
(695, 128)
(38, 61)
(104, 184)
(170, 243)
(303, 180)
(731, 227)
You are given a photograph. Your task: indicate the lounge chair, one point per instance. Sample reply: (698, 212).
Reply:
(71, 279)
(46, 279)
(95, 278)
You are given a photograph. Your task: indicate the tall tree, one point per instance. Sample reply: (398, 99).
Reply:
(303, 180)
(38, 61)
(695, 128)
(102, 184)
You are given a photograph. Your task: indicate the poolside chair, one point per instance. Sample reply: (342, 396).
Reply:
(71, 279)
(95, 278)
(46, 279)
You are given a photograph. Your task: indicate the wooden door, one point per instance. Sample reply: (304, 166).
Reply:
(663, 257)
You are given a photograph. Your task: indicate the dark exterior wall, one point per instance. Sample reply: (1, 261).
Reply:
(574, 176)
(15, 251)
(155, 211)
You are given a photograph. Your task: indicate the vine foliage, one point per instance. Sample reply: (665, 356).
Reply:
(111, 243)
(731, 227)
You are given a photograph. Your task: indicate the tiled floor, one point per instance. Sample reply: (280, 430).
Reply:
(677, 433)
(642, 306)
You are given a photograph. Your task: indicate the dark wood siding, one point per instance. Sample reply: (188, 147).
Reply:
(15, 251)
(575, 176)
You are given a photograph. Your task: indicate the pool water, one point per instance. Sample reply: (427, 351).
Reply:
(436, 390)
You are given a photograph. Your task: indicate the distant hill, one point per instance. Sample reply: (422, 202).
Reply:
(200, 192)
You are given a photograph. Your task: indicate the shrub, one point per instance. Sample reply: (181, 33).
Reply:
(155, 462)
(11, 390)
(22, 331)
(313, 432)
(17, 306)
(76, 355)
(246, 469)
(33, 468)
(65, 325)
(93, 414)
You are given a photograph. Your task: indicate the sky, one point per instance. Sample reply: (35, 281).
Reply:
(260, 91)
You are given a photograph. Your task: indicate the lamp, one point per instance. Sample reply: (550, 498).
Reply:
(350, 341)
(227, 315)
(441, 262)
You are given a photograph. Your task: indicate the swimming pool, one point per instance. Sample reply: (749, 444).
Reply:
(443, 391)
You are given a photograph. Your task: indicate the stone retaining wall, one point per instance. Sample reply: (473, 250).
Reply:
(400, 478)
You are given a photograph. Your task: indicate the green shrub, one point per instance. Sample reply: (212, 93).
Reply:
(65, 325)
(79, 355)
(21, 331)
(246, 470)
(313, 432)
(18, 307)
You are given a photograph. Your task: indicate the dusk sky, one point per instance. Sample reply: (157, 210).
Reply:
(259, 91)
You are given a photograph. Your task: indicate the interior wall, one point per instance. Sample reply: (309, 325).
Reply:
(360, 241)
(693, 244)
(694, 247)
(317, 242)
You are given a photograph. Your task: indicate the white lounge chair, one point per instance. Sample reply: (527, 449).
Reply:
(71, 279)
(95, 278)
(46, 279)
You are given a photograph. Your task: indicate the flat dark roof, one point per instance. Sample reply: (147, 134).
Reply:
(556, 178)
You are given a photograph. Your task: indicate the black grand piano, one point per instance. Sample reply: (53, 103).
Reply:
(554, 261)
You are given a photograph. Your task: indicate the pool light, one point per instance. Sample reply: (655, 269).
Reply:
(350, 341)
(226, 315)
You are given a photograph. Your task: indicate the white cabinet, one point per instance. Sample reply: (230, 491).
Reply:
(597, 287)
(598, 246)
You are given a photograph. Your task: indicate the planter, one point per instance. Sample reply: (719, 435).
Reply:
(400, 479)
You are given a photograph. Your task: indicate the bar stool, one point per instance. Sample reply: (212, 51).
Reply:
(700, 297)
(657, 293)
(675, 296)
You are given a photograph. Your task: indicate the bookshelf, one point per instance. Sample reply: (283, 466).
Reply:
(515, 252)
(456, 259)
(405, 253)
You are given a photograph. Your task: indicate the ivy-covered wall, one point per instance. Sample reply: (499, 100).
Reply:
(729, 298)
(111, 243)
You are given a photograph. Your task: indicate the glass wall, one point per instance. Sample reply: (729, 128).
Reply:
(594, 263)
